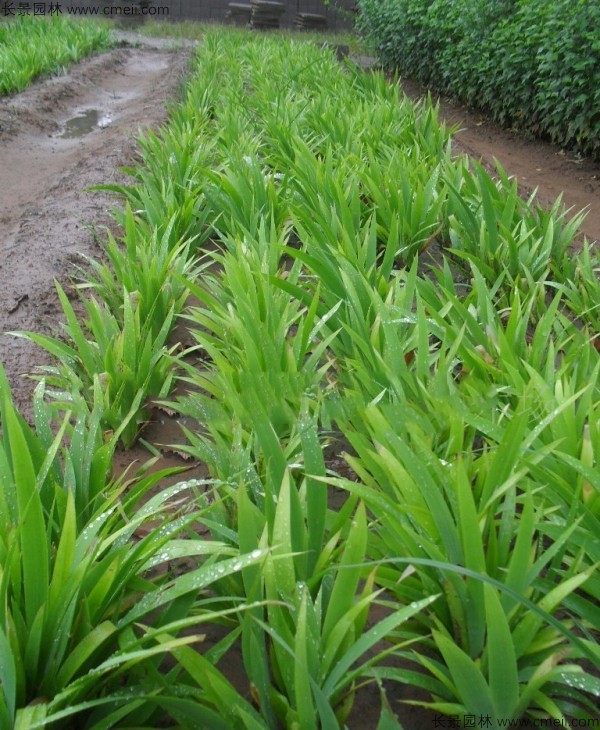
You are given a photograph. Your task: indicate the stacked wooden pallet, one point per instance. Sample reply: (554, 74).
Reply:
(238, 13)
(266, 14)
(310, 21)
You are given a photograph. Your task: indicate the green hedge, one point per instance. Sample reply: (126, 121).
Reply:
(530, 64)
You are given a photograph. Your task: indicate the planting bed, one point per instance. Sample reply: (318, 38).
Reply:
(464, 396)
(47, 218)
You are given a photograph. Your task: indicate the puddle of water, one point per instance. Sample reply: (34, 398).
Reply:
(84, 123)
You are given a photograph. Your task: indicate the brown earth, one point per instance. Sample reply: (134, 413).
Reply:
(47, 219)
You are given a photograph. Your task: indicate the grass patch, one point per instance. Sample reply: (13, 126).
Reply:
(30, 47)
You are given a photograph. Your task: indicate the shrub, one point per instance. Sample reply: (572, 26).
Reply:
(531, 65)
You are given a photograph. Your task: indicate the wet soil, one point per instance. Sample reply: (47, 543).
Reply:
(48, 219)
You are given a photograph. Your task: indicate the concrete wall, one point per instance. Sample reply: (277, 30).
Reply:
(338, 12)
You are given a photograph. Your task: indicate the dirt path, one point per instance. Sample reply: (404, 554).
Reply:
(46, 218)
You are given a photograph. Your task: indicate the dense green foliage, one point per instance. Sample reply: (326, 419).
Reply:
(30, 46)
(532, 65)
(83, 563)
(382, 428)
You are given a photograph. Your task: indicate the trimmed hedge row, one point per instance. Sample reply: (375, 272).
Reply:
(529, 64)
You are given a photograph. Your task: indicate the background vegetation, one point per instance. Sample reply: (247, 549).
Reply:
(31, 46)
(532, 65)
